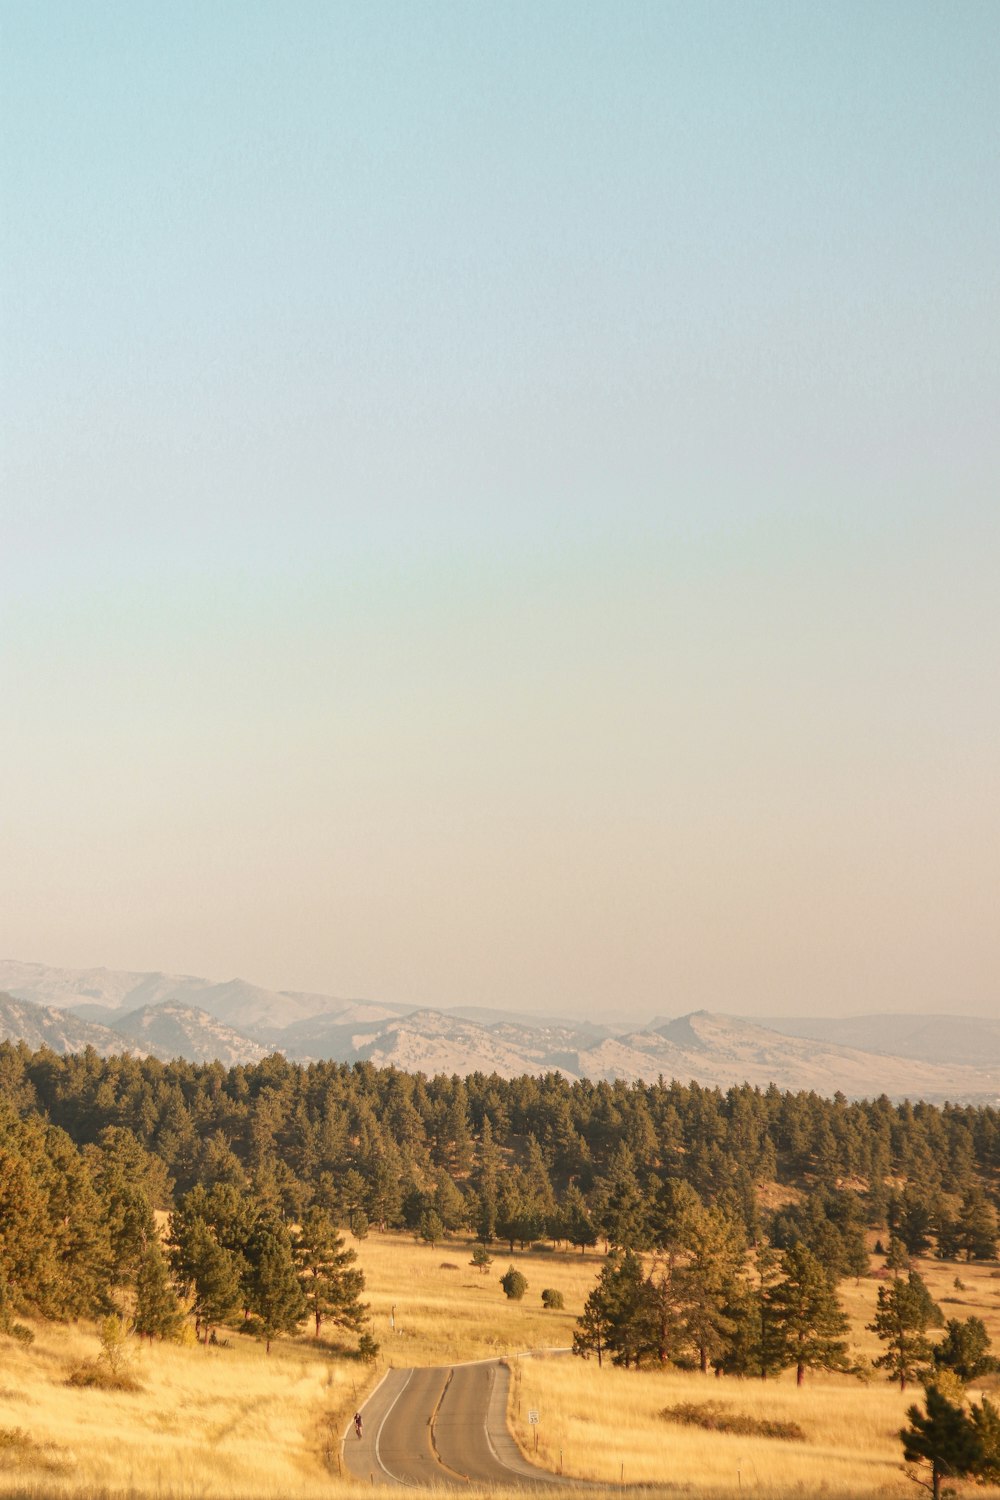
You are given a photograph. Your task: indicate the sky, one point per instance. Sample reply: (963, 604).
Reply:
(499, 503)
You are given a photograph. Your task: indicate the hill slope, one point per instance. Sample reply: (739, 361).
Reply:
(173, 1030)
(42, 1026)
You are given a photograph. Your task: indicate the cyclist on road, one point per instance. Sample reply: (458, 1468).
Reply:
(359, 1425)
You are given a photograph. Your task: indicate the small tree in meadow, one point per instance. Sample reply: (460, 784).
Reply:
(903, 1315)
(431, 1228)
(944, 1437)
(114, 1336)
(481, 1258)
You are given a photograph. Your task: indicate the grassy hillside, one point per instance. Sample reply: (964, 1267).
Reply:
(602, 1423)
(231, 1423)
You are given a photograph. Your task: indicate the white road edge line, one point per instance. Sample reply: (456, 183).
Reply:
(486, 1423)
(378, 1436)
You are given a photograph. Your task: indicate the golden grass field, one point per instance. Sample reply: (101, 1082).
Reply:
(605, 1423)
(234, 1424)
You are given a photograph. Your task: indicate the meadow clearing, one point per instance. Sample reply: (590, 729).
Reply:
(606, 1424)
(232, 1423)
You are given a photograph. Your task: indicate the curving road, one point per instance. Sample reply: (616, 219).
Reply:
(441, 1426)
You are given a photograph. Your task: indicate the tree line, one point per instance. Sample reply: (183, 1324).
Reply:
(78, 1238)
(532, 1157)
(239, 1156)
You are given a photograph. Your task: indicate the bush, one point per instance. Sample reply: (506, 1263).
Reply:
(514, 1284)
(714, 1417)
(97, 1377)
(22, 1334)
(448, 1265)
(552, 1298)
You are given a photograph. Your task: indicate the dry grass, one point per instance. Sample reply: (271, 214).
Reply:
(444, 1314)
(605, 1424)
(981, 1298)
(233, 1424)
(216, 1422)
(608, 1422)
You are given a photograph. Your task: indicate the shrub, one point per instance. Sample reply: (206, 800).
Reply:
(481, 1258)
(552, 1298)
(514, 1284)
(114, 1336)
(21, 1333)
(714, 1417)
(97, 1377)
(448, 1265)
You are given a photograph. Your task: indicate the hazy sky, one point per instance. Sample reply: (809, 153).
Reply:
(500, 501)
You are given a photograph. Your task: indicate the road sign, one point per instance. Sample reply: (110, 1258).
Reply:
(532, 1417)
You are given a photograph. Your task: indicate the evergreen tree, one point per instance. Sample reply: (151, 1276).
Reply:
(430, 1229)
(625, 1210)
(27, 1260)
(944, 1437)
(578, 1227)
(662, 1329)
(977, 1226)
(487, 1177)
(986, 1421)
(210, 1272)
(157, 1311)
(904, 1312)
(449, 1205)
(330, 1278)
(707, 1281)
(514, 1283)
(276, 1295)
(807, 1315)
(757, 1345)
(965, 1349)
(481, 1258)
(629, 1305)
(511, 1207)
(595, 1326)
(915, 1219)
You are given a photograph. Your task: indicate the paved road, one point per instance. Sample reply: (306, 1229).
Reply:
(445, 1426)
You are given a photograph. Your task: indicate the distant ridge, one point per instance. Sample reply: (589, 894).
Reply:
(44, 1026)
(238, 1022)
(942, 1038)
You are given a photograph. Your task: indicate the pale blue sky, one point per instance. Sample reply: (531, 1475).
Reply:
(500, 502)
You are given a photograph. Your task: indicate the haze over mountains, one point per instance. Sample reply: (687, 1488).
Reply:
(169, 1015)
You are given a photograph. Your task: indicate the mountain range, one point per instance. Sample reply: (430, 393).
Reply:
(167, 1016)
